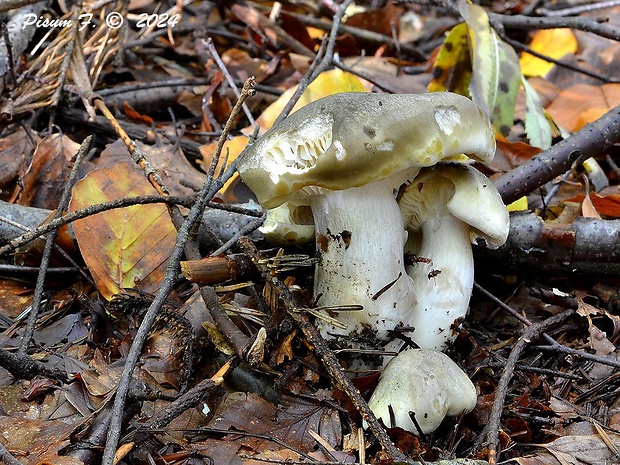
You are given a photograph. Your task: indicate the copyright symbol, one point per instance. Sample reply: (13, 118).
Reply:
(114, 20)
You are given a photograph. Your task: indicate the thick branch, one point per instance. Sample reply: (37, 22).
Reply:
(593, 139)
(586, 246)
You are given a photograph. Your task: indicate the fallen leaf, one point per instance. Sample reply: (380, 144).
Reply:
(39, 440)
(608, 205)
(537, 126)
(583, 103)
(587, 208)
(14, 149)
(579, 450)
(49, 170)
(496, 75)
(126, 247)
(554, 43)
(452, 67)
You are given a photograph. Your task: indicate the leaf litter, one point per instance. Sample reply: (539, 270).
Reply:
(561, 406)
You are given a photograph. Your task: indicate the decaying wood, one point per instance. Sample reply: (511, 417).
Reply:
(218, 269)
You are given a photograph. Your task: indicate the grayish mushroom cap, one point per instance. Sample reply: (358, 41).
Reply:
(351, 139)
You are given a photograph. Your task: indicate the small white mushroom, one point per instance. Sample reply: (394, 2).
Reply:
(428, 384)
(344, 155)
(447, 208)
(282, 226)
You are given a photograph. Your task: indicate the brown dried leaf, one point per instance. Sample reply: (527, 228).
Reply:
(14, 149)
(579, 450)
(163, 358)
(582, 104)
(48, 172)
(284, 351)
(606, 205)
(39, 441)
(289, 422)
(176, 172)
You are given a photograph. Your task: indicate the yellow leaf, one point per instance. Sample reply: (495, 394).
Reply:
(452, 68)
(555, 43)
(518, 205)
(327, 83)
(495, 76)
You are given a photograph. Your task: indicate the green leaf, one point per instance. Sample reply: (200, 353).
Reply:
(537, 125)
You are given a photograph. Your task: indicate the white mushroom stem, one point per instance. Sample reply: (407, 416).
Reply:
(446, 208)
(360, 242)
(443, 285)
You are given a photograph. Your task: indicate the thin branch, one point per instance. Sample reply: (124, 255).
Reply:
(531, 23)
(564, 64)
(24, 367)
(576, 10)
(317, 67)
(187, 400)
(329, 360)
(553, 346)
(231, 82)
(6, 456)
(520, 22)
(89, 211)
(491, 431)
(363, 34)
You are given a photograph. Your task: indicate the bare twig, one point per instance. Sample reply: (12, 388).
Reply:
(188, 400)
(9, 52)
(500, 21)
(243, 231)
(136, 154)
(491, 431)
(553, 346)
(235, 337)
(363, 34)
(6, 456)
(32, 234)
(531, 23)
(231, 82)
(564, 64)
(24, 367)
(317, 66)
(576, 10)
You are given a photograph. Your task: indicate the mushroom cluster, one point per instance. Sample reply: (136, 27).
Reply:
(345, 155)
